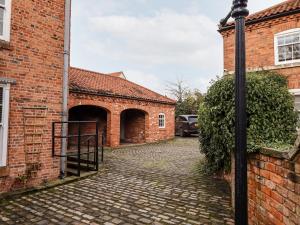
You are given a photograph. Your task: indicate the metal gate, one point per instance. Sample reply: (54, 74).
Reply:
(83, 148)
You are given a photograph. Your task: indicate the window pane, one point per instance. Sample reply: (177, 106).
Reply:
(296, 51)
(193, 119)
(297, 98)
(1, 20)
(289, 39)
(296, 55)
(289, 52)
(297, 102)
(281, 54)
(296, 47)
(281, 41)
(161, 120)
(296, 38)
(1, 103)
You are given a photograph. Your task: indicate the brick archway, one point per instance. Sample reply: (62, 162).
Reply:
(134, 126)
(91, 113)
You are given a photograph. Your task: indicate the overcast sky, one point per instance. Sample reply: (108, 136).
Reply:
(152, 41)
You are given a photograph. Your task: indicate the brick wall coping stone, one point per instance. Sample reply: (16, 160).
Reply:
(280, 154)
(288, 154)
(291, 156)
(5, 80)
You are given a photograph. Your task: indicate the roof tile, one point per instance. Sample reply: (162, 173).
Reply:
(276, 9)
(286, 6)
(93, 82)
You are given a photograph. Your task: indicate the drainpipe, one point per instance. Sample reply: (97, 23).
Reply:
(67, 34)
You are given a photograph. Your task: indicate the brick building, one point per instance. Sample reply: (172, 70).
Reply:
(272, 42)
(31, 57)
(127, 112)
(32, 50)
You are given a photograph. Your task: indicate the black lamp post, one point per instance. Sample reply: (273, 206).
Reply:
(239, 13)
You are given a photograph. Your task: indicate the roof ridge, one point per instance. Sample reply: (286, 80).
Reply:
(86, 70)
(150, 90)
(115, 72)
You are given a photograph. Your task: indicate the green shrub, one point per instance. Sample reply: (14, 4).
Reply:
(270, 117)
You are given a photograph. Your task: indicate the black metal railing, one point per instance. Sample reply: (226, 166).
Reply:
(83, 153)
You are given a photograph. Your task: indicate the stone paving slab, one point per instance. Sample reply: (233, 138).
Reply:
(152, 184)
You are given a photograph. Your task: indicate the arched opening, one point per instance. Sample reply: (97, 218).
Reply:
(133, 126)
(89, 113)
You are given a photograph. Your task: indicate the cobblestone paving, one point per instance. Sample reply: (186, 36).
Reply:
(151, 184)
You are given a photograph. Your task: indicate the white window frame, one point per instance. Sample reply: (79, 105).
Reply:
(281, 34)
(4, 125)
(162, 118)
(6, 21)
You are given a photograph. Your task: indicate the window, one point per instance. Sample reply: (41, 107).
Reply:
(287, 47)
(161, 120)
(297, 102)
(193, 119)
(5, 8)
(4, 109)
(296, 94)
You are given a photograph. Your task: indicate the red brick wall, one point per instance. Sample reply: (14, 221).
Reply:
(87, 113)
(260, 47)
(34, 58)
(274, 190)
(115, 106)
(134, 126)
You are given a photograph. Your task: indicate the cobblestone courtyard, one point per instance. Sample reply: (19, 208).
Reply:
(151, 184)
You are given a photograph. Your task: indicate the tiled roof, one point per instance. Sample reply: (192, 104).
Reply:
(103, 84)
(288, 6)
(285, 6)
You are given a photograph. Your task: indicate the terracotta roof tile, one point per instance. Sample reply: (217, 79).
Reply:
(276, 9)
(104, 84)
(284, 7)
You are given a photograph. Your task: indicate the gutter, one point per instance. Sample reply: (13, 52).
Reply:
(67, 34)
(263, 19)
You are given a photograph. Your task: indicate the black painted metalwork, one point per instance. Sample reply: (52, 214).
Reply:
(241, 199)
(96, 146)
(78, 149)
(80, 159)
(102, 146)
(239, 12)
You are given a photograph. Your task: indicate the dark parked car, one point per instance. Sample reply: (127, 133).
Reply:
(186, 125)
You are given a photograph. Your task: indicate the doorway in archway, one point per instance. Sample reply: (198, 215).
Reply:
(89, 113)
(133, 126)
